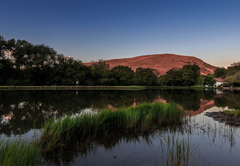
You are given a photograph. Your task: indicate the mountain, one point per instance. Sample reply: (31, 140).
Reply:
(161, 63)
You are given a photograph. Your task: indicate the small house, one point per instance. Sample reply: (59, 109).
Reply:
(219, 82)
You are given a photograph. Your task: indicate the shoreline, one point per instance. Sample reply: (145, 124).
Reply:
(106, 87)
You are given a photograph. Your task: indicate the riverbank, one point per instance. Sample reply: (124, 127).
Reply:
(106, 87)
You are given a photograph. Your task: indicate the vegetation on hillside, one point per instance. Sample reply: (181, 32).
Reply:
(231, 75)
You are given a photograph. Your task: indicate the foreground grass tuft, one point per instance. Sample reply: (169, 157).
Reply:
(142, 119)
(18, 152)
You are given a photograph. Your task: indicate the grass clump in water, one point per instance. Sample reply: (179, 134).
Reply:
(142, 119)
(18, 152)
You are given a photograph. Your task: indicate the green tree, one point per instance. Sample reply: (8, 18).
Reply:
(233, 79)
(232, 74)
(22, 51)
(8, 75)
(42, 60)
(145, 76)
(208, 80)
(186, 76)
(122, 75)
(173, 77)
(2, 47)
(101, 73)
(235, 64)
(200, 80)
(72, 73)
(190, 74)
(220, 72)
(74, 70)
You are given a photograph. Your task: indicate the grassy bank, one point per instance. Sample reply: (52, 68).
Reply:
(142, 119)
(132, 87)
(72, 87)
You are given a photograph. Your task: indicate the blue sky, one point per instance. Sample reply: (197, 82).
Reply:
(110, 29)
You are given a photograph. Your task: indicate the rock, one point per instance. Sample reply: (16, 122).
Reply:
(222, 117)
(160, 62)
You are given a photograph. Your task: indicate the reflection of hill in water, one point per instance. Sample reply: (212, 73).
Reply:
(204, 105)
(21, 110)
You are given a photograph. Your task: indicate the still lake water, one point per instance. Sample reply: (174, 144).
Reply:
(23, 113)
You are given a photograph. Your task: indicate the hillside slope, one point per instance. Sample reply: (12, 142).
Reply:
(160, 62)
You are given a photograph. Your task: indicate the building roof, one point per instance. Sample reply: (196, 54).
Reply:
(218, 79)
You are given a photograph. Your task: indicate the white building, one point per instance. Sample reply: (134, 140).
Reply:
(219, 82)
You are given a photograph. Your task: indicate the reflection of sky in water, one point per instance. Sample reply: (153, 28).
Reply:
(218, 144)
(36, 132)
(33, 133)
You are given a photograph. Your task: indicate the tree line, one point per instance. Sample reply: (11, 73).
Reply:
(24, 63)
(188, 75)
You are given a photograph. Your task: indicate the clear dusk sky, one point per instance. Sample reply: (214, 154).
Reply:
(111, 29)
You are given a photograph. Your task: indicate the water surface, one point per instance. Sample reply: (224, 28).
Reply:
(24, 112)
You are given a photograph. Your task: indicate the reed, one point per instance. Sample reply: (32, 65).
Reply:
(18, 152)
(143, 118)
(179, 151)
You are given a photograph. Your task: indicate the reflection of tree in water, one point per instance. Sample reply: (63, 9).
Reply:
(231, 100)
(207, 94)
(85, 148)
(128, 98)
(24, 110)
(211, 135)
(189, 99)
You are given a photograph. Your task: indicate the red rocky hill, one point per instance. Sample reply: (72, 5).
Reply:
(160, 62)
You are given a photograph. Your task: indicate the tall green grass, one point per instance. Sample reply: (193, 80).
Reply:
(18, 152)
(143, 118)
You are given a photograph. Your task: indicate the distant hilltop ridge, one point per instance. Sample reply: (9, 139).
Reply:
(160, 62)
